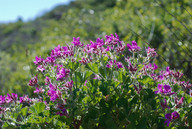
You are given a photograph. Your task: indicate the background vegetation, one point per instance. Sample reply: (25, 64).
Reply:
(162, 24)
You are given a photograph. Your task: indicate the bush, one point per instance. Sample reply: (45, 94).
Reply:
(104, 84)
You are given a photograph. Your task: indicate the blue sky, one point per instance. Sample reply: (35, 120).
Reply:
(10, 10)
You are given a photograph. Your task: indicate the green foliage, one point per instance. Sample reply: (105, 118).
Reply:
(165, 25)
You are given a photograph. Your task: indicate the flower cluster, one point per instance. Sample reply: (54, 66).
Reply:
(171, 116)
(80, 76)
(134, 47)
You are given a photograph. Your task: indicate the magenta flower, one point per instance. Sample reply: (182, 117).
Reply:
(97, 77)
(164, 104)
(120, 48)
(177, 75)
(33, 81)
(76, 42)
(155, 66)
(112, 40)
(62, 74)
(63, 112)
(186, 85)
(52, 93)
(84, 60)
(167, 73)
(119, 65)
(10, 98)
(134, 47)
(171, 116)
(138, 89)
(2, 100)
(50, 60)
(85, 84)
(151, 52)
(164, 90)
(56, 52)
(150, 67)
(2, 110)
(132, 68)
(39, 90)
(41, 68)
(68, 84)
(99, 42)
(58, 67)
(47, 80)
(38, 60)
(108, 65)
(115, 64)
(168, 119)
(25, 99)
(179, 103)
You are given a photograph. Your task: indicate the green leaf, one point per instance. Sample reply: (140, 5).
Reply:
(38, 108)
(8, 126)
(93, 67)
(24, 111)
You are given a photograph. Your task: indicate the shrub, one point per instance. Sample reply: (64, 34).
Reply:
(104, 84)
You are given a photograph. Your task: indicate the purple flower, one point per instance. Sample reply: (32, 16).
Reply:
(108, 65)
(155, 67)
(132, 68)
(2, 100)
(97, 77)
(171, 116)
(112, 40)
(2, 110)
(50, 60)
(186, 85)
(33, 81)
(119, 65)
(47, 80)
(40, 68)
(120, 48)
(174, 115)
(10, 98)
(76, 42)
(150, 67)
(164, 104)
(62, 74)
(63, 112)
(52, 93)
(38, 60)
(179, 103)
(151, 52)
(167, 73)
(69, 84)
(58, 67)
(84, 60)
(39, 90)
(177, 75)
(164, 90)
(85, 83)
(168, 119)
(134, 47)
(99, 42)
(138, 89)
(25, 98)
(56, 52)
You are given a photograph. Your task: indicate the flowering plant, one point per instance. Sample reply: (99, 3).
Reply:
(103, 84)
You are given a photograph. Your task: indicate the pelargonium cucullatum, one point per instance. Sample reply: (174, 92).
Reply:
(104, 84)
